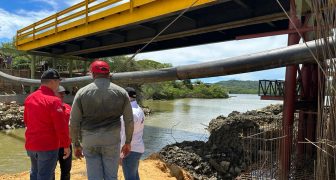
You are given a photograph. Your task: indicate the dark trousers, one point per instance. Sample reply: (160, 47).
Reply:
(65, 164)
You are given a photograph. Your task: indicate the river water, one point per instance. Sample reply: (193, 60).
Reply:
(171, 121)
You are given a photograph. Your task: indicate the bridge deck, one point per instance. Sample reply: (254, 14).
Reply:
(108, 29)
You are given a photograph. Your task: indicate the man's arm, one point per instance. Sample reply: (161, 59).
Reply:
(76, 115)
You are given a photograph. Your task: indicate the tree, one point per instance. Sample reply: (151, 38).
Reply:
(21, 59)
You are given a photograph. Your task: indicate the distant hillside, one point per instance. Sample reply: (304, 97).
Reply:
(240, 87)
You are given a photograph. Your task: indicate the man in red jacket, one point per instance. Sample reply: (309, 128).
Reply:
(46, 127)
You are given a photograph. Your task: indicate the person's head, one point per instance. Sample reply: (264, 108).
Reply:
(100, 69)
(131, 93)
(61, 92)
(51, 79)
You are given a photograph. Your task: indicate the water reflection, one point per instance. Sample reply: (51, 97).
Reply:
(13, 157)
(156, 138)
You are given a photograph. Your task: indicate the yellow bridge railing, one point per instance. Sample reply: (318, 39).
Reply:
(93, 17)
(79, 14)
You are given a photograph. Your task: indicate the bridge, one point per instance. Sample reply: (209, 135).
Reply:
(116, 27)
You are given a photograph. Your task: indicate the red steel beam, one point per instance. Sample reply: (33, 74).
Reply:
(306, 76)
(311, 119)
(274, 33)
(263, 97)
(289, 99)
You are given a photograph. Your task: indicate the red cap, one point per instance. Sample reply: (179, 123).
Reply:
(99, 67)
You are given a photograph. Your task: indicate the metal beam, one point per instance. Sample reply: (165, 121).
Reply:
(277, 98)
(276, 58)
(244, 5)
(289, 99)
(218, 27)
(36, 53)
(32, 71)
(274, 33)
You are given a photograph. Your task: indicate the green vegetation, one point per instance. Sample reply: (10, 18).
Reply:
(240, 87)
(165, 90)
(22, 60)
(181, 89)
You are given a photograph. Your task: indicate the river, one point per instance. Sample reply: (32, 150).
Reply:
(171, 121)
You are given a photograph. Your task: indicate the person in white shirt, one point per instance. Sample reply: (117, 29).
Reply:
(130, 163)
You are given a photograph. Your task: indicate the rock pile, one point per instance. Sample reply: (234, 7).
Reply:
(11, 115)
(191, 157)
(146, 111)
(222, 156)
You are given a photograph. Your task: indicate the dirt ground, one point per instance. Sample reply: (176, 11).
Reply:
(151, 168)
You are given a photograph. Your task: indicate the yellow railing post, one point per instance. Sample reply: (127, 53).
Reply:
(16, 38)
(34, 31)
(131, 5)
(56, 23)
(86, 11)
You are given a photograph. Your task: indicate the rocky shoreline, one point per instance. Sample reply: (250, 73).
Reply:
(222, 156)
(11, 115)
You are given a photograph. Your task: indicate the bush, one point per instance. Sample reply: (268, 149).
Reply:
(180, 89)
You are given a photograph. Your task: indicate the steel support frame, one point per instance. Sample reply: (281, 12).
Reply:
(289, 99)
(307, 118)
(311, 119)
(32, 71)
(306, 75)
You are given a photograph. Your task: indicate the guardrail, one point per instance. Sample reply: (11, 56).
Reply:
(73, 16)
(271, 88)
(275, 89)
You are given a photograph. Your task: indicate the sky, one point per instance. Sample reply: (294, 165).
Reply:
(17, 14)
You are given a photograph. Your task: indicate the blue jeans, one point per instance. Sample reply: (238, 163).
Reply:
(101, 148)
(43, 164)
(102, 162)
(65, 164)
(130, 166)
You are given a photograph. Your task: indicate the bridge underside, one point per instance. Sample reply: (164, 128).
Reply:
(218, 22)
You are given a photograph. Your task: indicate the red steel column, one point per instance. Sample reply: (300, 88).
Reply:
(311, 119)
(289, 99)
(306, 75)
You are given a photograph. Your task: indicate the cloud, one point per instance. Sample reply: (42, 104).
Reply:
(72, 2)
(270, 74)
(53, 3)
(12, 21)
(215, 51)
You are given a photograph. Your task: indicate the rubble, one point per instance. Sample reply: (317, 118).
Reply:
(222, 156)
(146, 111)
(11, 115)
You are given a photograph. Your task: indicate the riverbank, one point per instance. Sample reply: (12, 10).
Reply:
(227, 153)
(11, 115)
(151, 168)
(220, 157)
